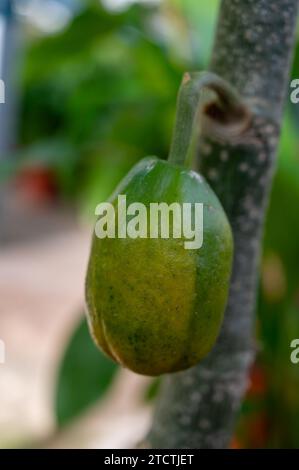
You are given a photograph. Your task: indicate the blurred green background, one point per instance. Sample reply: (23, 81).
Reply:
(98, 94)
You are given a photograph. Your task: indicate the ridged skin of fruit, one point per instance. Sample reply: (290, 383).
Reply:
(154, 306)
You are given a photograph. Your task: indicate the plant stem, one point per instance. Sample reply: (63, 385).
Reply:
(253, 49)
(190, 97)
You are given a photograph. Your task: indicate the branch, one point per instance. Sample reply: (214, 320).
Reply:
(253, 49)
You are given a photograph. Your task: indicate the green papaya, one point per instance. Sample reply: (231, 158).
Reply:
(154, 306)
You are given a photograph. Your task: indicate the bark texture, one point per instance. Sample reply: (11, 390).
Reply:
(252, 51)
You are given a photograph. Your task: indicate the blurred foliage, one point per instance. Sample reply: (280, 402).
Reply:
(99, 96)
(84, 376)
(92, 95)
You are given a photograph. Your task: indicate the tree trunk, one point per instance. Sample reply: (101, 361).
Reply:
(253, 49)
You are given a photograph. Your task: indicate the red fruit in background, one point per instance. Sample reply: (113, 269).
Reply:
(258, 431)
(235, 443)
(37, 185)
(257, 381)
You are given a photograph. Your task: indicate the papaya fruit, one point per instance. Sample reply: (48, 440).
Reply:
(154, 306)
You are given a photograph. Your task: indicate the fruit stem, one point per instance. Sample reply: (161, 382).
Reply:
(228, 113)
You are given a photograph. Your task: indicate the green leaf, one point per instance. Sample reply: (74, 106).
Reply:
(153, 390)
(85, 375)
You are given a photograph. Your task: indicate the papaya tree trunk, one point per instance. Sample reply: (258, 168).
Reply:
(253, 49)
